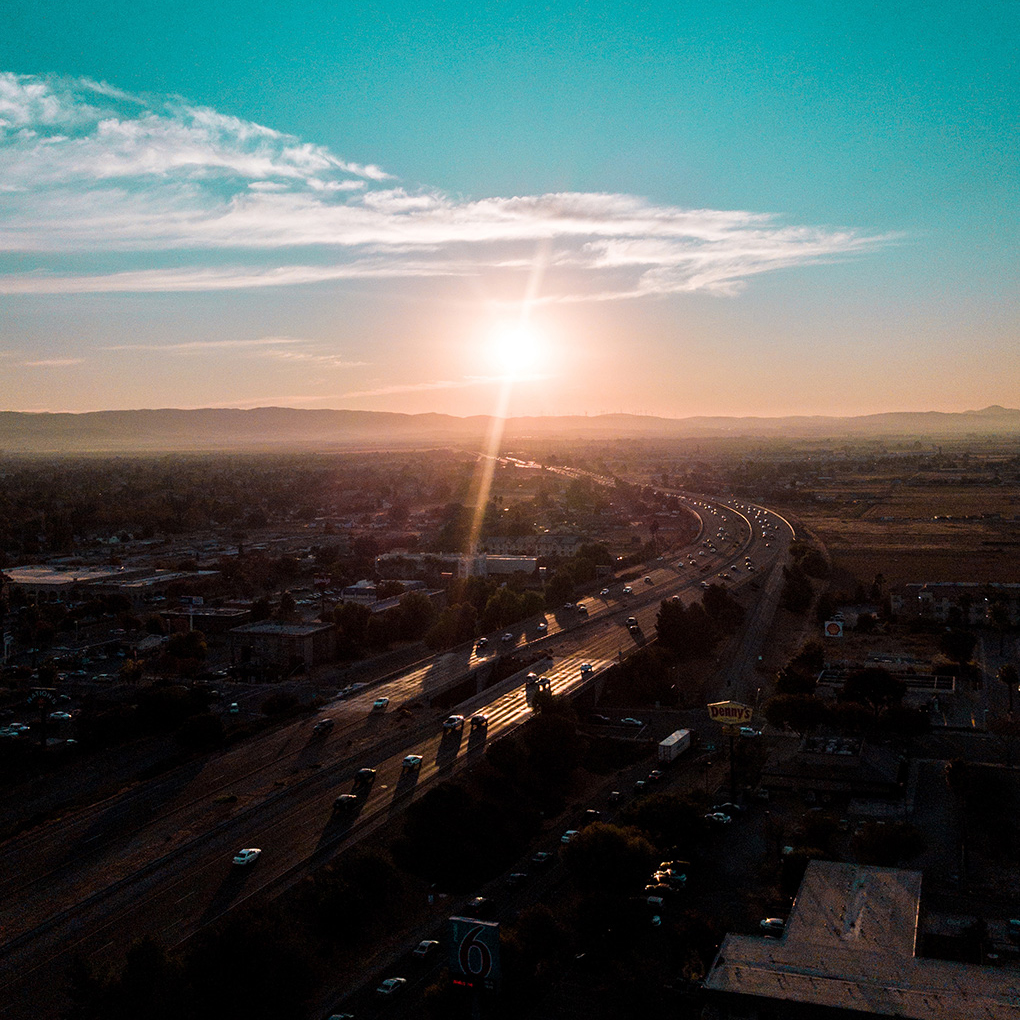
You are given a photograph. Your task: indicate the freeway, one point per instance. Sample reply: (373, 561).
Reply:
(156, 859)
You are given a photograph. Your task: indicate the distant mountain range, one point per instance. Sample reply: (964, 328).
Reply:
(284, 428)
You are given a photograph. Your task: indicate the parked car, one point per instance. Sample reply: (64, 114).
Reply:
(245, 857)
(749, 731)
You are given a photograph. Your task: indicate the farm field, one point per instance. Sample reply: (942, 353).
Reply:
(919, 533)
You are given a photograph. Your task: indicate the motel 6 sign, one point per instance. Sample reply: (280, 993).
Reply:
(474, 952)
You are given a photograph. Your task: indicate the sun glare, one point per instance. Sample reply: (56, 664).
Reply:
(516, 348)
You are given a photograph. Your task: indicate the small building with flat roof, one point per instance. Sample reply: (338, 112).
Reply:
(272, 641)
(849, 951)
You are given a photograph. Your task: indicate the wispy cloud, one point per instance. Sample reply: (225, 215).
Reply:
(53, 362)
(425, 387)
(87, 168)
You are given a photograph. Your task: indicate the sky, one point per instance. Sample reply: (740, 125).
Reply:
(678, 209)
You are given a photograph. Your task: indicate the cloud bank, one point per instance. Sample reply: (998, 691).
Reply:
(187, 199)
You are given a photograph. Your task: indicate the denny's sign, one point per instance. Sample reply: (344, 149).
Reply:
(731, 713)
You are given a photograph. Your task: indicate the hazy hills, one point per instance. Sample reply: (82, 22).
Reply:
(281, 428)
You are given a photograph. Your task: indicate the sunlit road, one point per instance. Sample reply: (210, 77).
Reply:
(156, 860)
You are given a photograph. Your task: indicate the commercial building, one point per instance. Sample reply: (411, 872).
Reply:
(849, 951)
(285, 644)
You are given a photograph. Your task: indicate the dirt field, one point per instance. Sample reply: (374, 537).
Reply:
(926, 533)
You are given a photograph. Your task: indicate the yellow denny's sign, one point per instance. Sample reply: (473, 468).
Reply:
(730, 712)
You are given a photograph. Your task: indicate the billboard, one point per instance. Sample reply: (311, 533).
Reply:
(731, 713)
(833, 628)
(474, 952)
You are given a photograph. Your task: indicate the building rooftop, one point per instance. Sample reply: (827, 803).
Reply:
(268, 627)
(849, 944)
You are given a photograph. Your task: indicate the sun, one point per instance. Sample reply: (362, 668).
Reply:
(516, 348)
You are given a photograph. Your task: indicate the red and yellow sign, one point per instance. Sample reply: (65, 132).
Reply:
(732, 713)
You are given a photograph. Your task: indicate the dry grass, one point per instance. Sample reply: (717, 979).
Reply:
(920, 534)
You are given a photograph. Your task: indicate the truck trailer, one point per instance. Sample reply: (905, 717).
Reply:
(674, 745)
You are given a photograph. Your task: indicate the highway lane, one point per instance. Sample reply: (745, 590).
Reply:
(292, 821)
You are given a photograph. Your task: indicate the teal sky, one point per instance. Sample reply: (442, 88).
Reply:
(693, 208)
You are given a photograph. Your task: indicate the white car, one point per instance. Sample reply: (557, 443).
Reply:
(542, 627)
(453, 722)
(568, 835)
(627, 590)
(604, 592)
(391, 985)
(245, 857)
(411, 763)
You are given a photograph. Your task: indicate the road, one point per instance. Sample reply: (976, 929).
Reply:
(156, 859)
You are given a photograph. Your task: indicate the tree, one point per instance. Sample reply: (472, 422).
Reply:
(958, 645)
(606, 858)
(415, 614)
(722, 608)
(797, 591)
(287, 606)
(189, 644)
(875, 687)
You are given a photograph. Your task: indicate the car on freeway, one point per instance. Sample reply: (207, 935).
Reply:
(452, 723)
(629, 720)
(597, 718)
(425, 948)
(749, 731)
(234, 708)
(482, 642)
(604, 592)
(507, 637)
(568, 605)
(615, 796)
(542, 627)
(725, 577)
(648, 580)
(346, 802)
(380, 704)
(627, 590)
(60, 716)
(718, 818)
(729, 808)
(541, 859)
(632, 623)
(640, 786)
(654, 776)
(568, 835)
(586, 667)
(479, 721)
(704, 584)
(248, 856)
(364, 777)
(772, 927)
(591, 815)
(582, 609)
(322, 726)
(391, 985)
(516, 878)
(411, 763)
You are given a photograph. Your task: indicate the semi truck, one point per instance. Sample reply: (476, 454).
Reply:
(674, 745)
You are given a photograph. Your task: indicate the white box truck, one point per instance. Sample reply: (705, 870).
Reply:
(674, 745)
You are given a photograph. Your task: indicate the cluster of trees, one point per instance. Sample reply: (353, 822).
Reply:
(692, 631)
